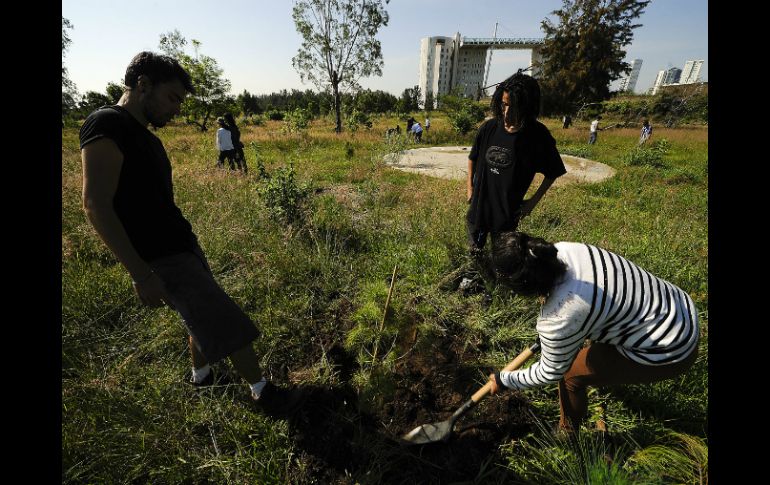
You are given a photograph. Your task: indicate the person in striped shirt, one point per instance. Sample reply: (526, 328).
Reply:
(640, 328)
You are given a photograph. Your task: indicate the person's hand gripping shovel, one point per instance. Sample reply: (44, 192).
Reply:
(434, 432)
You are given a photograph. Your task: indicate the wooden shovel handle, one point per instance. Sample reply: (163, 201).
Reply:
(513, 365)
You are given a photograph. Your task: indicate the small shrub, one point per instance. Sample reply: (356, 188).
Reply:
(275, 115)
(576, 151)
(651, 157)
(283, 196)
(356, 119)
(297, 120)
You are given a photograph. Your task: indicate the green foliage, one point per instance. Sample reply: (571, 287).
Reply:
(677, 458)
(69, 92)
(284, 198)
(211, 87)
(430, 102)
(545, 458)
(91, 101)
(248, 103)
(357, 119)
(651, 156)
(583, 52)
(114, 92)
(297, 120)
(368, 101)
(688, 104)
(581, 151)
(275, 115)
(463, 113)
(254, 120)
(338, 43)
(409, 101)
(66, 84)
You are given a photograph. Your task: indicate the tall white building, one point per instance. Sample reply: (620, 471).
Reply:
(458, 62)
(658, 81)
(628, 83)
(445, 63)
(691, 71)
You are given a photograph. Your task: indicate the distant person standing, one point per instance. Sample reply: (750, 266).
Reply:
(646, 132)
(417, 130)
(427, 124)
(235, 133)
(594, 130)
(566, 121)
(225, 145)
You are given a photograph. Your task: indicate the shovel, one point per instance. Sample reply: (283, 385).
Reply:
(434, 432)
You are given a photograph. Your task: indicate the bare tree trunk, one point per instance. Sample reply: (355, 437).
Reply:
(335, 89)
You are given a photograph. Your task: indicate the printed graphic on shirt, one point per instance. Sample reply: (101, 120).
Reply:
(499, 157)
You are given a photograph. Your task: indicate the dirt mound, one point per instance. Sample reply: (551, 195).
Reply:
(339, 442)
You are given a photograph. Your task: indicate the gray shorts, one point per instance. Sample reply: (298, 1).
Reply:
(217, 324)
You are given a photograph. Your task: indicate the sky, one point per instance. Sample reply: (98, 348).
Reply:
(253, 41)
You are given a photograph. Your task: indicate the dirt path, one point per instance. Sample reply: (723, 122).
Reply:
(452, 163)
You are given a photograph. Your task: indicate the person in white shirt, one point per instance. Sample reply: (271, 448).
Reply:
(594, 129)
(225, 145)
(641, 328)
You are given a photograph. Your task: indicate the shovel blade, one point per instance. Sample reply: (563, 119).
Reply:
(428, 433)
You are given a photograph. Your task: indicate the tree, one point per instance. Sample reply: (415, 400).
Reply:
(584, 53)
(248, 103)
(339, 45)
(430, 102)
(463, 113)
(211, 88)
(114, 92)
(410, 100)
(91, 101)
(69, 92)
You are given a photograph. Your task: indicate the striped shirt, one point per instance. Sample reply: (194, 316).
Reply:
(608, 299)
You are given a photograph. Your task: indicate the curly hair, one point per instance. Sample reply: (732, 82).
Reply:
(525, 264)
(158, 68)
(524, 97)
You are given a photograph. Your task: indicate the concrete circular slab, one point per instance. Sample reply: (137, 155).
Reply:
(452, 163)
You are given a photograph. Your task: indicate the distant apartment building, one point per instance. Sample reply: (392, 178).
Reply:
(691, 72)
(628, 83)
(658, 82)
(449, 63)
(672, 76)
(666, 78)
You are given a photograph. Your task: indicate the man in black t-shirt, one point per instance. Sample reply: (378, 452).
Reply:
(507, 152)
(128, 198)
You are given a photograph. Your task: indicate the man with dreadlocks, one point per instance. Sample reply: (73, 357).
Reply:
(509, 149)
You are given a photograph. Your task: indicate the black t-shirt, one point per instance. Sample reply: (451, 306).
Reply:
(504, 167)
(144, 199)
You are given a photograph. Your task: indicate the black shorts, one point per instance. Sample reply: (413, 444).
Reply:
(217, 324)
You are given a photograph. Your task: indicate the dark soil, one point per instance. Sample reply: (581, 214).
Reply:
(338, 442)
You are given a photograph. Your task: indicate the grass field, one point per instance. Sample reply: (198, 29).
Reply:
(316, 287)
